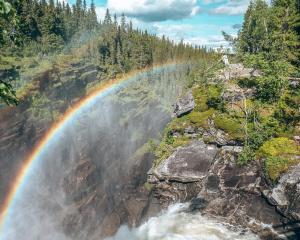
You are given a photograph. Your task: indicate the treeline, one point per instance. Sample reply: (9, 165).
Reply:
(37, 28)
(269, 40)
(44, 26)
(124, 48)
(40, 27)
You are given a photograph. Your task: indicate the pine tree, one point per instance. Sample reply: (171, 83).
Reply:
(107, 18)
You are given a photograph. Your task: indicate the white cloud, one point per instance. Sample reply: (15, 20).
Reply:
(232, 7)
(213, 1)
(155, 10)
(195, 34)
(100, 11)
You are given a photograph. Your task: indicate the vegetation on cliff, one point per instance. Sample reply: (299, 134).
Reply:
(37, 36)
(259, 112)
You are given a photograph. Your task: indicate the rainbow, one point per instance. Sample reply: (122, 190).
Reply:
(19, 181)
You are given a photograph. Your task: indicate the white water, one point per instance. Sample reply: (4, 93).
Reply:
(177, 224)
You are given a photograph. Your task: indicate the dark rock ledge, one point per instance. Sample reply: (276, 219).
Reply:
(209, 177)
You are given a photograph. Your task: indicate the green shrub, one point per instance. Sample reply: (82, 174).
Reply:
(287, 111)
(230, 125)
(247, 82)
(278, 154)
(199, 119)
(200, 99)
(216, 103)
(207, 96)
(246, 156)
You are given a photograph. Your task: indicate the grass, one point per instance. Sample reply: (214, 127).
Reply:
(279, 155)
(200, 99)
(202, 94)
(230, 125)
(167, 146)
(194, 119)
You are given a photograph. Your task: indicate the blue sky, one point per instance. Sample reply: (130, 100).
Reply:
(195, 21)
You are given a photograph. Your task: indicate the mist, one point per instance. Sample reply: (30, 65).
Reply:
(90, 166)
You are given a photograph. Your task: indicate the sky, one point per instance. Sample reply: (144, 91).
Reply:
(198, 22)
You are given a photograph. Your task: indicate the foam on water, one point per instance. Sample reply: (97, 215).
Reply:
(177, 224)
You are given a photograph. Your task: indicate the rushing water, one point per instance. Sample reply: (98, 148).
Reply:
(178, 224)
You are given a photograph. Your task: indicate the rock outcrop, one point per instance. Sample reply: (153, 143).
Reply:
(184, 105)
(187, 164)
(234, 93)
(286, 194)
(210, 178)
(237, 70)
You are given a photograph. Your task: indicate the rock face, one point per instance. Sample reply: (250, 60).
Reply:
(184, 105)
(19, 132)
(237, 70)
(217, 186)
(187, 164)
(214, 135)
(286, 194)
(234, 93)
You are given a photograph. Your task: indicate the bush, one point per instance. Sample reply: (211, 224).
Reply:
(246, 156)
(247, 82)
(273, 82)
(217, 103)
(230, 125)
(270, 87)
(278, 154)
(268, 128)
(287, 111)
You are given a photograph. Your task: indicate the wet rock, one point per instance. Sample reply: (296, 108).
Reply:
(197, 204)
(184, 105)
(187, 164)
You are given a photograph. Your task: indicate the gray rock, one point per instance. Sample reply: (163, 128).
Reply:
(217, 186)
(297, 139)
(187, 164)
(197, 204)
(213, 135)
(184, 105)
(235, 93)
(232, 149)
(237, 70)
(286, 194)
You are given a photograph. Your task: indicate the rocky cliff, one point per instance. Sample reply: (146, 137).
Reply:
(204, 169)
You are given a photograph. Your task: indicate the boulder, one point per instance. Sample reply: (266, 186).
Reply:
(286, 194)
(216, 136)
(187, 164)
(234, 93)
(237, 70)
(184, 105)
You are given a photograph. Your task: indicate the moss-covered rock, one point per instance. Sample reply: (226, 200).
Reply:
(232, 126)
(279, 155)
(202, 94)
(200, 99)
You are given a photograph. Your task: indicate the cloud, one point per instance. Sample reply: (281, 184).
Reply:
(100, 11)
(232, 7)
(195, 34)
(155, 10)
(212, 1)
